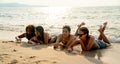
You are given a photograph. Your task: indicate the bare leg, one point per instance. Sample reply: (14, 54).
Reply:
(103, 29)
(100, 36)
(104, 26)
(104, 38)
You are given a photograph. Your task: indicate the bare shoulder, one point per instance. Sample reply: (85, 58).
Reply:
(92, 37)
(72, 36)
(46, 35)
(60, 36)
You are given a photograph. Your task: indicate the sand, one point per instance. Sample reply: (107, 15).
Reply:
(23, 53)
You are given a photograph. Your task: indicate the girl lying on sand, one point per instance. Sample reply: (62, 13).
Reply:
(64, 39)
(29, 33)
(41, 37)
(87, 41)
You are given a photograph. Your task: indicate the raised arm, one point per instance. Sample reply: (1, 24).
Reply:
(79, 27)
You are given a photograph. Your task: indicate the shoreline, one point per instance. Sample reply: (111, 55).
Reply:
(10, 35)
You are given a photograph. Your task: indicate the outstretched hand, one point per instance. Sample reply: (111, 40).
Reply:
(18, 40)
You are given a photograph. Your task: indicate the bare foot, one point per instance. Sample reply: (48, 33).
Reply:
(81, 24)
(104, 26)
(105, 23)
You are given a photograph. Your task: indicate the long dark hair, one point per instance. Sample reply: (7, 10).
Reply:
(32, 30)
(41, 31)
(67, 27)
(85, 31)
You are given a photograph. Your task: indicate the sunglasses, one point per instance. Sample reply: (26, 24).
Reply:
(80, 35)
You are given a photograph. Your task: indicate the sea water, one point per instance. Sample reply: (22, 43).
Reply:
(15, 19)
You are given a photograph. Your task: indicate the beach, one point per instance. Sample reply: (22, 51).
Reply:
(13, 21)
(24, 53)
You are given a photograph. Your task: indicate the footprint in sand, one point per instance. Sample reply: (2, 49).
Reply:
(39, 61)
(2, 56)
(4, 41)
(21, 57)
(54, 62)
(14, 50)
(32, 57)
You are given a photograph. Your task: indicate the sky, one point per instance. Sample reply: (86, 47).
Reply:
(66, 2)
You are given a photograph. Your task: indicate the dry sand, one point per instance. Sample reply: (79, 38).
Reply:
(12, 53)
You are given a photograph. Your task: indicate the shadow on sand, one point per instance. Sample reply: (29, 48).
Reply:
(36, 47)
